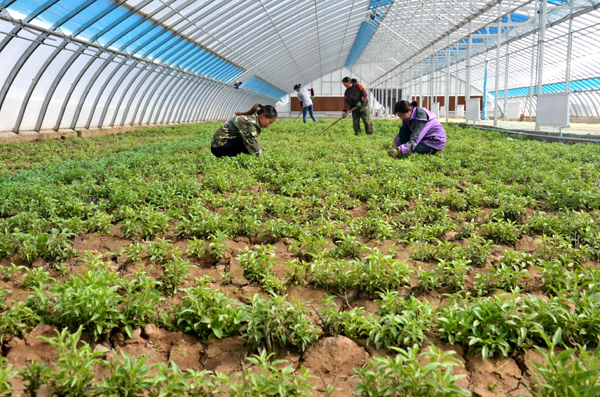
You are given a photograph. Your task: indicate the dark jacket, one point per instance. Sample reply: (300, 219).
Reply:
(354, 95)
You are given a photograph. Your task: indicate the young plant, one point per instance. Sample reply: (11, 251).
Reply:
(428, 280)
(206, 313)
(74, 372)
(129, 376)
(134, 253)
(6, 374)
(174, 273)
(401, 323)
(197, 248)
(218, 246)
(271, 379)
(409, 373)
(348, 246)
(160, 250)
(36, 375)
(271, 323)
(570, 372)
(36, 278)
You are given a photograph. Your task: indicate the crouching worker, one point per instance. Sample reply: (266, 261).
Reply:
(239, 134)
(421, 132)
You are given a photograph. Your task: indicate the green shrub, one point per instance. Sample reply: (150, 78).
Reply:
(73, 374)
(271, 379)
(271, 323)
(206, 313)
(409, 374)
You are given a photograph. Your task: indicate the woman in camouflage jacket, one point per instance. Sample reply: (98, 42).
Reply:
(239, 134)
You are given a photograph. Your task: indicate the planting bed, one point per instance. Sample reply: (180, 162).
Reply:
(140, 264)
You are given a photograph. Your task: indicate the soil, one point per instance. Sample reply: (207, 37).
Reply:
(332, 360)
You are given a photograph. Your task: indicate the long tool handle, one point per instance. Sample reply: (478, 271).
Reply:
(297, 116)
(332, 124)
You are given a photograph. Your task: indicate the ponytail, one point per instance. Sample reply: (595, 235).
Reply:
(269, 111)
(414, 104)
(349, 80)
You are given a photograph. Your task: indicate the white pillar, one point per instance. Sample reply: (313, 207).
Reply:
(498, 44)
(468, 66)
(542, 40)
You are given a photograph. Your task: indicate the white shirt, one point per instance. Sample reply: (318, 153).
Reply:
(304, 97)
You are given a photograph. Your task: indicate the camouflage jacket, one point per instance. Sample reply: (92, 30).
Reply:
(245, 127)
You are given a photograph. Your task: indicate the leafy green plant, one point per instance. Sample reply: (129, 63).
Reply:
(36, 278)
(570, 372)
(380, 272)
(138, 305)
(134, 252)
(8, 273)
(508, 278)
(169, 381)
(152, 223)
(401, 323)
(197, 248)
(6, 374)
(428, 280)
(100, 222)
(206, 313)
(453, 274)
(128, 376)
(256, 264)
(89, 299)
(276, 322)
(269, 380)
(36, 375)
(409, 373)
(17, 320)
(74, 372)
(218, 245)
(160, 250)
(477, 252)
(174, 273)
(501, 231)
(348, 246)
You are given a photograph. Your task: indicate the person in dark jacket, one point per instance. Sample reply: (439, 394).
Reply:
(355, 98)
(421, 132)
(239, 134)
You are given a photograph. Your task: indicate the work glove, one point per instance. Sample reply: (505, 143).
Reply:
(393, 153)
(312, 97)
(358, 105)
(344, 114)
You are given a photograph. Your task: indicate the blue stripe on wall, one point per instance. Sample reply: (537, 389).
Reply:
(576, 85)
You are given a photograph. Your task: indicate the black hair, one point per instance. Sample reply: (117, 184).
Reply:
(297, 86)
(403, 106)
(349, 80)
(414, 104)
(269, 111)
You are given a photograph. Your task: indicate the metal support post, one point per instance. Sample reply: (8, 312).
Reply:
(542, 40)
(497, 82)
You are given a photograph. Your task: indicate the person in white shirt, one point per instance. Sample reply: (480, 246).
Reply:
(305, 101)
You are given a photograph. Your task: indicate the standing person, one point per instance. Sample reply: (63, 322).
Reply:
(305, 99)
(421, 131)
(238, 134)
(355, 98)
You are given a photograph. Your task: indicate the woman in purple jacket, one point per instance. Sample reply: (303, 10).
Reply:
(421, 132)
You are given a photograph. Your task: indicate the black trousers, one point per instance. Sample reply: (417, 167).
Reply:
(421, 147)
(230, 149)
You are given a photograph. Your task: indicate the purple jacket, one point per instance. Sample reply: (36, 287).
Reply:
(424, 127)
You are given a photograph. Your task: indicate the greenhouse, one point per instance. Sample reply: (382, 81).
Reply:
(299, 198)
